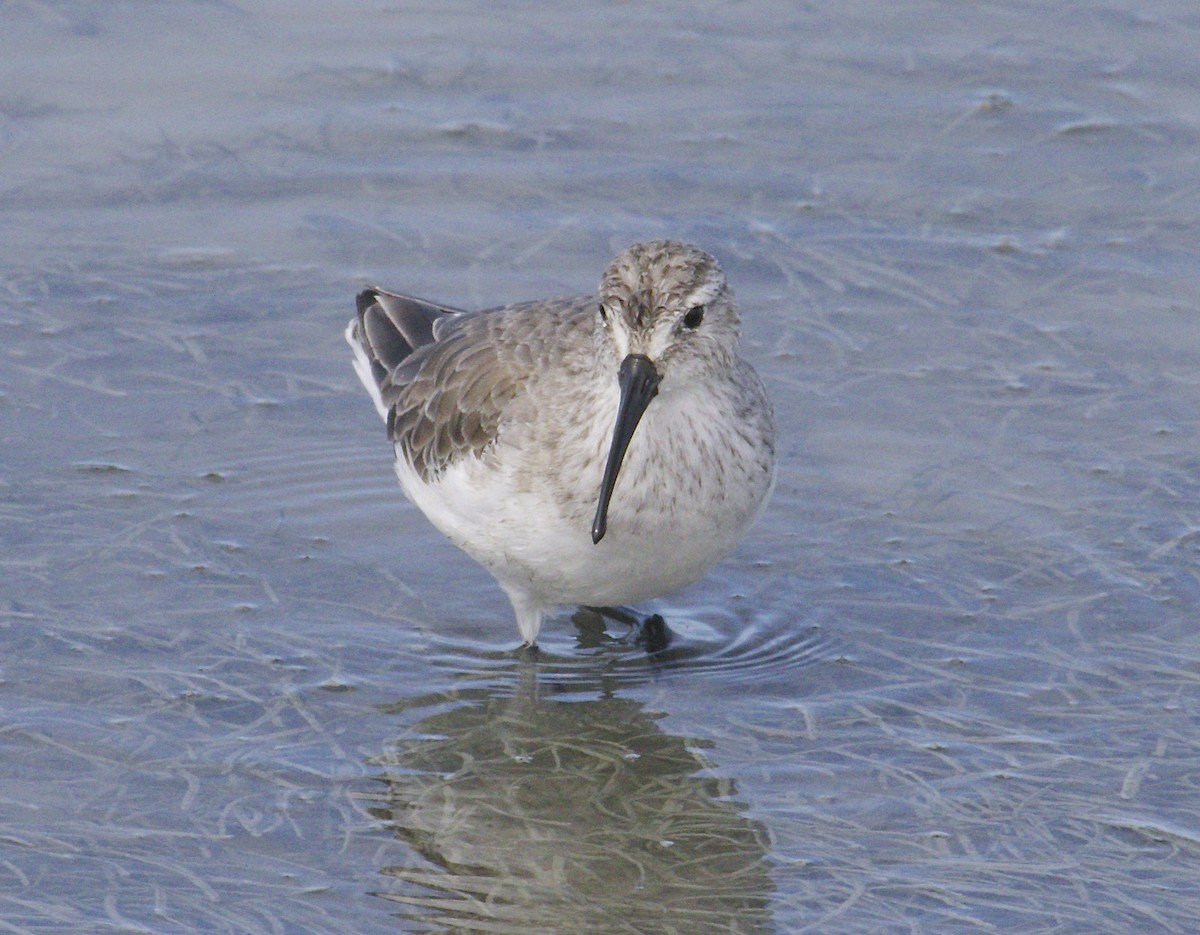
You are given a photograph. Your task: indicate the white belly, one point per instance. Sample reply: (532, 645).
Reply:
(683, 500)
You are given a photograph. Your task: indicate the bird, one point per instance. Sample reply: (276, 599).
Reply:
(598, 450)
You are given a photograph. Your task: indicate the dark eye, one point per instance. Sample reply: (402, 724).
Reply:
(694, 316)
(603, 313)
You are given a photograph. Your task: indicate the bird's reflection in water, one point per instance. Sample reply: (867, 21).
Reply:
(563, 810)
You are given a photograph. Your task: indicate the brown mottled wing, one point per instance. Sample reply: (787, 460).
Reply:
(450, 376)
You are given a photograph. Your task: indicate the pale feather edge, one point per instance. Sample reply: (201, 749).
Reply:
(362, 366)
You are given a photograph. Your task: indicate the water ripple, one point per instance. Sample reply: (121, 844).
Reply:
(607, 658)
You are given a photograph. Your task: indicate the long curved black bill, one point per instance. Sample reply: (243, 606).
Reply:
(638, 378)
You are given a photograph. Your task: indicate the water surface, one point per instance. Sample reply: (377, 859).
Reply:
(950, 682)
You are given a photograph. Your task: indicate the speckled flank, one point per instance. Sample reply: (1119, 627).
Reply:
(502, 421)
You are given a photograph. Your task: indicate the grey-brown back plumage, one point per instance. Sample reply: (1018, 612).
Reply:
(446, 376)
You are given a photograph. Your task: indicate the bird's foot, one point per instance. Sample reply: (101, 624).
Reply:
(650, 632)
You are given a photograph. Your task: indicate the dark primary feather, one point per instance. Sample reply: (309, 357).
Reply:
(392, 326)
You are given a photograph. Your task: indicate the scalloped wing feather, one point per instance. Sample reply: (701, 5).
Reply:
(447, 377)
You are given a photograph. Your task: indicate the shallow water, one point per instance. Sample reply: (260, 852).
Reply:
(950, 682)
